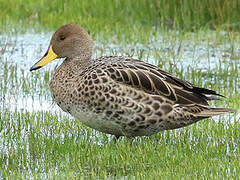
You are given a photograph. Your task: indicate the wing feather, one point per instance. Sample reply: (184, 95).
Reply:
(155, 81)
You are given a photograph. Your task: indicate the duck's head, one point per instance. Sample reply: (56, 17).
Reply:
(69, 41)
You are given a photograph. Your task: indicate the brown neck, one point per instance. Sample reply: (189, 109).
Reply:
(77, 63)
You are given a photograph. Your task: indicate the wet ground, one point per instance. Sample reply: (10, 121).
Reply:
(32, 127)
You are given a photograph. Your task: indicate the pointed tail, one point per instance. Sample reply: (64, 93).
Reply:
(205, 111)
(215, 111)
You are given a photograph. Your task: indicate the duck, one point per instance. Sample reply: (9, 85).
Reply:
(121, 96)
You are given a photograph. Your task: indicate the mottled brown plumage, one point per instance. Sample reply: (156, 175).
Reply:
(118, 95)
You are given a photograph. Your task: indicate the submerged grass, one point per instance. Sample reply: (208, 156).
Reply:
(53, 148)
(50, 144)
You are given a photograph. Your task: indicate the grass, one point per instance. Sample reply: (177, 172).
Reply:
(49, 144)
(52, 145)
(114, 17)
(53, 148)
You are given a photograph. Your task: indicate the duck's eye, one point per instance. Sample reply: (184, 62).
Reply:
(62, 37)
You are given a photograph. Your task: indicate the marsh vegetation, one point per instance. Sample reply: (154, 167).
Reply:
(198, 42)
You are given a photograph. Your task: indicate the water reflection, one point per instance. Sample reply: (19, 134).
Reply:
(31, 105)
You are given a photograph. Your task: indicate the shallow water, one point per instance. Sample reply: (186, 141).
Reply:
(26, 49)
(200, 54)
(29, 114)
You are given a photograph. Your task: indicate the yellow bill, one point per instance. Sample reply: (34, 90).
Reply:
(47, 58)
